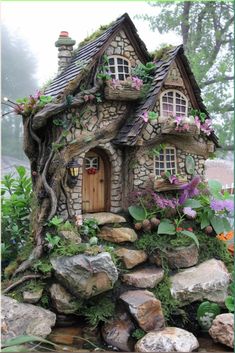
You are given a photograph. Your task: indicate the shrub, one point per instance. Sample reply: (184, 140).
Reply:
(16, 194)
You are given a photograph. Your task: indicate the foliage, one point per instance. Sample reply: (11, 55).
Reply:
(137, 212)
(31, 104)
(16, 344)
(89, 228)
(67, 248)
(229, 301)
(43, 265)
(144, 72)
(212, 207)
(101, 309)
(206, 29)
(93, 36)
(211, 247)
(138, 333)
(16, 208)
(169, 304)
(206, 313)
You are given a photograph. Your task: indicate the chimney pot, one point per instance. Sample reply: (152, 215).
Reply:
(64, 34)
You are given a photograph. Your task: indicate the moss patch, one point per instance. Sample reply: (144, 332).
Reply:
(161, 54)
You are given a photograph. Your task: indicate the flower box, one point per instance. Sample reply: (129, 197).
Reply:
(165, 185)
(171, 129)
(124, 92)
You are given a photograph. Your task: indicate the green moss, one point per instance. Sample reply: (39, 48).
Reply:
(138, 333)
(161, 54)
(98, 309)
(211, 247)
(67, 248)
(43, 265)
(93, 36)
(169, 304)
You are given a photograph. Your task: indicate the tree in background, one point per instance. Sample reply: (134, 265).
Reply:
(18, 80)
(206, 29)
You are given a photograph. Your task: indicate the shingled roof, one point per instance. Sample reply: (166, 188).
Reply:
(93, 50)
(132, 128)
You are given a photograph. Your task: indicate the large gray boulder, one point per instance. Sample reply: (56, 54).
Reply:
(86, 276)
(170, 339)
(24, 319)
(222, 329)
(209, 280)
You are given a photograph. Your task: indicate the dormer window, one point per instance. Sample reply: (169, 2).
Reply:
(119, 68)
(173, 103)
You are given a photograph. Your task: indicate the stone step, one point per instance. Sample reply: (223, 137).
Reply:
(147, 277)
(118, 235)
(104, 217)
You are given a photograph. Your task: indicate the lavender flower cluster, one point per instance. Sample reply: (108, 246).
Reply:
(222, 205)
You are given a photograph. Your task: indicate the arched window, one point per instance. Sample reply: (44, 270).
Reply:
(166, 161)
(173, 103)
(119, 67)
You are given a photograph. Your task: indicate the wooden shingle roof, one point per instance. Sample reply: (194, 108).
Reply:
(132, 128)
(90, 51)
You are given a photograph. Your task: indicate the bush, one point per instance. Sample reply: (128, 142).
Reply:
(16, 209)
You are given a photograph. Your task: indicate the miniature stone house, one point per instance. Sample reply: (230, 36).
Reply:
(112, 169)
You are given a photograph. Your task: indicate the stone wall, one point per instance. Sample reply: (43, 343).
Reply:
(122, 46)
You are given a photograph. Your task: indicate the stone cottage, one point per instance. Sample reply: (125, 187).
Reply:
(143, 149)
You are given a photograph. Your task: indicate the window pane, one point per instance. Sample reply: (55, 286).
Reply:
(112, 69)
(120, 68)
(121, 77)
(126, 69)
(111, 61)
(119, 61)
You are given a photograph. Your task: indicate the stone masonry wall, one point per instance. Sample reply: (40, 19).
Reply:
(144, 163)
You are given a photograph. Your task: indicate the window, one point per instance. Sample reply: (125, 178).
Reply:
(166, 161)
(173, 103)
(119, 68)
(92, 162)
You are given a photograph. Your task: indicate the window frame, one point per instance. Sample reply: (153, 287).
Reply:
(165, 161)
(117, 73)
(93, 162)
(174, 102)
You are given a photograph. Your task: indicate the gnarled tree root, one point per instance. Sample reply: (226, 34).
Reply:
(17, 283)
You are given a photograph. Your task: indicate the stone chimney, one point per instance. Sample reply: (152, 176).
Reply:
(65, 47)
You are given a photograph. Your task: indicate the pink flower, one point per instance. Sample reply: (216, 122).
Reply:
(178, 120)
(86, 98)
(190, 189)
(173, 180)
(37, 94)
(197, 122)
(145, 117)
(137, 83)
(206, 127)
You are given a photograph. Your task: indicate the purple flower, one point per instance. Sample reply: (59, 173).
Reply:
(190, 189)
(222, 205)
(206, 127)
(188, 211)
(178, 120)
(173, 180)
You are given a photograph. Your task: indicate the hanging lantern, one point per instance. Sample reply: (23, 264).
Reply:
(73, 168)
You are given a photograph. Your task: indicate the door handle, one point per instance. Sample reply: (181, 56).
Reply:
(101, 180)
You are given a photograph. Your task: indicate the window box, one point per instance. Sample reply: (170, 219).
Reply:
(171, 129)
(165, 185)
(124, 92)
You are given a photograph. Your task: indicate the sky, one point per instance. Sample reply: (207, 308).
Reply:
(40, 24)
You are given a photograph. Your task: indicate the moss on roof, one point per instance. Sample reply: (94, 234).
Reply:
(93, 36)
(161, 54)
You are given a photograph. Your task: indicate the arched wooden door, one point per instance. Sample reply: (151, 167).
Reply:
(96, 182)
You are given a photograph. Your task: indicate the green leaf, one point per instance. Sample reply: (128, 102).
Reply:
(166, 227)
(204, 221)
(191, 235)
(137, 212)
(24, 339)
(229, 302)
(218, 224)
(214, 186)
(227, 225)
(192, 203)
